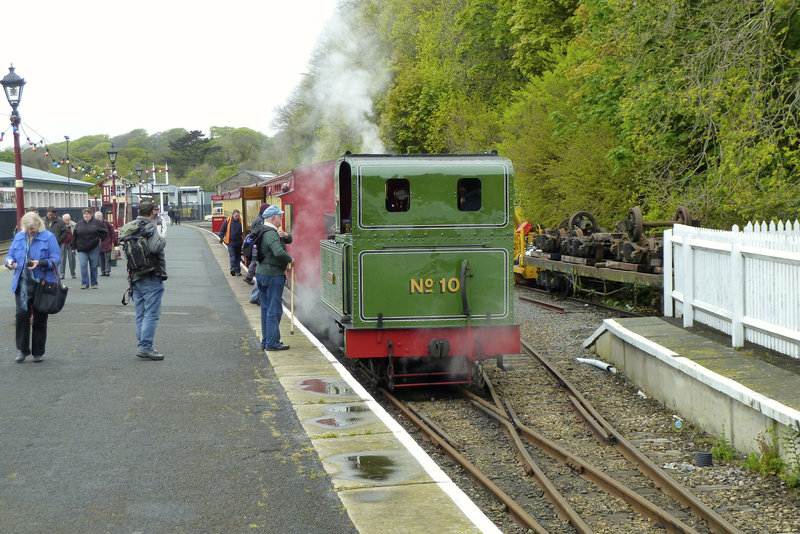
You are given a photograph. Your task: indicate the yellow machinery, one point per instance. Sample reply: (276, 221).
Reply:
(523, 240)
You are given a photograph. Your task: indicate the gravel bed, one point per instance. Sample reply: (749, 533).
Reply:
(751, 502)
(748, 500)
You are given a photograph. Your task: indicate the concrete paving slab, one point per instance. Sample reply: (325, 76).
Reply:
(368, 460)
(330, 389)
(376, 510)
(345, 419)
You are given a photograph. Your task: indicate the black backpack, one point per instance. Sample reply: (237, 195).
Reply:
(254, 237)
(137, 253)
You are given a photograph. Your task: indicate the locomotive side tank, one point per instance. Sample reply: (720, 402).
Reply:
(418, 273)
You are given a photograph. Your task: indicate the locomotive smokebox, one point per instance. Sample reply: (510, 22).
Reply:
(439, 348)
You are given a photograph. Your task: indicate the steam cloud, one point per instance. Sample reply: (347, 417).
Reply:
(348, 75)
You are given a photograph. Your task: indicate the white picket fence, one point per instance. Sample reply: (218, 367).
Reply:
(744, 283)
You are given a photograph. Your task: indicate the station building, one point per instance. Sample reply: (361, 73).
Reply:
(41, 189)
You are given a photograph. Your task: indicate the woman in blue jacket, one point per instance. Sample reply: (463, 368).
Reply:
(30, 256)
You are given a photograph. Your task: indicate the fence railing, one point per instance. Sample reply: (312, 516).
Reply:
(743, 283)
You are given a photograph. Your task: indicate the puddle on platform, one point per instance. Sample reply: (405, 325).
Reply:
(379, 467)
(323, 386)
(342, 416)
(370, 467)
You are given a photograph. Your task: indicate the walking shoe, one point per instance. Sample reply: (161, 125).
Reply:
(150, 355)
(248, 280)
(95, 287)
(21, 357)
(257, 303)
(84, 287)
(278, 347)
(38, 359)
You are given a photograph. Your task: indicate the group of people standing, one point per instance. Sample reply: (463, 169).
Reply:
(269, 273)
(42, 246)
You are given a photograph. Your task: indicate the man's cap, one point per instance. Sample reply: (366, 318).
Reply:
(264, 206)
(271, 212)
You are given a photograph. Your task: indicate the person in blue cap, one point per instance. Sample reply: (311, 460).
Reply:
(271, 277)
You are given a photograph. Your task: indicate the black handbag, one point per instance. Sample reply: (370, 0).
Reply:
(50, 297)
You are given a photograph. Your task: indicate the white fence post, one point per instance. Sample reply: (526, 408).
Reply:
(738, 288)
(669, 306)
(688, 284)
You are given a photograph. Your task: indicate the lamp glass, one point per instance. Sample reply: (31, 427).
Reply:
(12, 85)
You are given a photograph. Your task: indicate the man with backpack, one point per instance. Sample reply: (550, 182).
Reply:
(147, 270)
(258, 222)
(273, 260)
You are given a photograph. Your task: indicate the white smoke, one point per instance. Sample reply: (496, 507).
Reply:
(349, 72)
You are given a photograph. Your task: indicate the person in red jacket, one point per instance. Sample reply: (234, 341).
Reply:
(106, 245)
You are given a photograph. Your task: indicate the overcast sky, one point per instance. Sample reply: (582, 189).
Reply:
(95, 67)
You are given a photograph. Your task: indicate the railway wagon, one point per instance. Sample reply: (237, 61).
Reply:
(418, 273)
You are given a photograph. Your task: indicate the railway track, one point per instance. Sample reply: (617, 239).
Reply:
(584, 477)
(561, 309)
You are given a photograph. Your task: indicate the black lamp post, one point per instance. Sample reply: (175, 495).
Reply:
(69, 196)
(112, 157)
(139, 174)
(12, 85)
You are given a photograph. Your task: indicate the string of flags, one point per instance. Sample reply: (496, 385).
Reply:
(81, 167)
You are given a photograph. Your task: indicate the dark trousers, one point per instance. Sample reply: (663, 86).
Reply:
(28, 342)
(235, 252)
(105, 262)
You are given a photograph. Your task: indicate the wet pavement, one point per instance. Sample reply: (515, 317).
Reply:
(94, 439)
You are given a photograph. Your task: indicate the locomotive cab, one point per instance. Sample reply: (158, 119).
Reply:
(418, 272)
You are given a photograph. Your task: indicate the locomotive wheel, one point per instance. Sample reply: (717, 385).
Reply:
(563, 224)
(583, 221)
(636, 223)
(682, 216)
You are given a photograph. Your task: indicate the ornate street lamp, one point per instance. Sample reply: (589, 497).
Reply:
(112, 157)
(12, 85)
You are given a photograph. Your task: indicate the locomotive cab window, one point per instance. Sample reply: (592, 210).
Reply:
(397, 194)
(469, 194)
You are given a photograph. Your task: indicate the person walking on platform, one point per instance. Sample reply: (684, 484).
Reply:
(33, 255)
(162, 228)
(147, 288)
(231, 235)
(55, 225)
(106, 245)
(271, 277)
(171, 215)
(67, 254)
(86, 239)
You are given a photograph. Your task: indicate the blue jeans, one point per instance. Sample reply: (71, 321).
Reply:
(147, 293)
(89, 261)
(270, 293)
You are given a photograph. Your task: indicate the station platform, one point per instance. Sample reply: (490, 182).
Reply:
(218, 437)
(727, 392)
